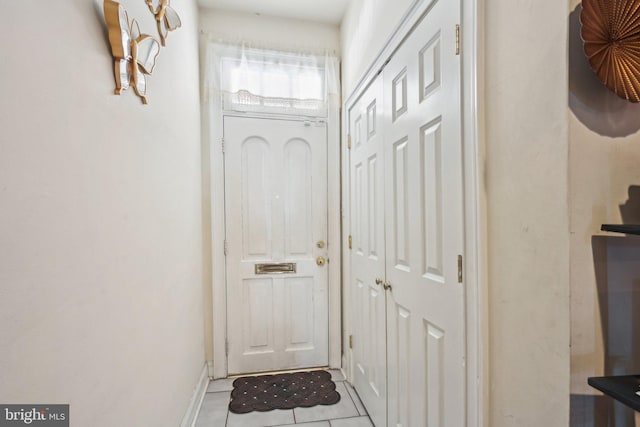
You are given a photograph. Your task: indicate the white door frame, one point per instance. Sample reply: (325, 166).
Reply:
(214, 211)
(477, 400)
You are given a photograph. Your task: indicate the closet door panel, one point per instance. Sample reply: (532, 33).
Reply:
(368, 253)
(424, 227)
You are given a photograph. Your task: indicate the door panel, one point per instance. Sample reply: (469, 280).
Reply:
(276, 212)
(423, 152)
(256, 201)
(367, 256)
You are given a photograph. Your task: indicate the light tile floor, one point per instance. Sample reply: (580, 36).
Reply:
(348, 412)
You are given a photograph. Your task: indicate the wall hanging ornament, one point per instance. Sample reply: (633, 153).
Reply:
(166, 18)
(134, 53)
(611, 36)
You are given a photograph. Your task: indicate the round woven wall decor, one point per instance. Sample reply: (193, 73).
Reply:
(611, 36)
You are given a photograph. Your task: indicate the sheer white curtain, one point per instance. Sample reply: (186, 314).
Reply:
(271, 81)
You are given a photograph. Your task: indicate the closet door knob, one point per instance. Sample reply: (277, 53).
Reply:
(379, 282)
(387, 286)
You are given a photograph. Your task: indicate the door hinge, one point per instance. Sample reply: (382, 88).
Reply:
(226, 247)
(350, 341)
(349, 141)
(226, 347)
(459, 268)
(457, 39)
(350, 242)
(222, 145)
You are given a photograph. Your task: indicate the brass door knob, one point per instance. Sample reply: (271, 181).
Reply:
(379, 282)
(321, 261)
(320, 244)
(387, 286)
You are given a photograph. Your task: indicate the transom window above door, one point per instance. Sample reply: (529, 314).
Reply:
(268, 81)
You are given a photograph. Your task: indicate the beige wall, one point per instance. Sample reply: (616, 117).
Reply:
(100, 219)
(604, 143)
(270, 32)
(366, 27)
(526, 189)
(527, 193)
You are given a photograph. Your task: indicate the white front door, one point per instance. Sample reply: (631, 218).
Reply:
(276, 234)
(424, 228)
(368, 252)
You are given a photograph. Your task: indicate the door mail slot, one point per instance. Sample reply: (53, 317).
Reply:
(276, 268)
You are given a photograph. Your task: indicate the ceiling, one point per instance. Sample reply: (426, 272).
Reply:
(325, 11)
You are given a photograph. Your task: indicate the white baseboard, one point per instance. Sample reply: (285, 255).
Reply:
(190, 417)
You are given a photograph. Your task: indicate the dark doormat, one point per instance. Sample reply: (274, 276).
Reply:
(283, 391)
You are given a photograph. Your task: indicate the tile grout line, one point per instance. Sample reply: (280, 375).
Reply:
(226, 421)
(351, 397)
(361, 403)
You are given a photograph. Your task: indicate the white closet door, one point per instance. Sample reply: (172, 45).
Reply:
(367, 254)
(276, 218)
(424, 225)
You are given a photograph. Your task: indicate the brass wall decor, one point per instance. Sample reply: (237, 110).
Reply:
(134, 53)
(611, 36)
(166, 18)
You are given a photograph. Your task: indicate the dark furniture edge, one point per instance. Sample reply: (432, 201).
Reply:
(622, 388)
(622, 228)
